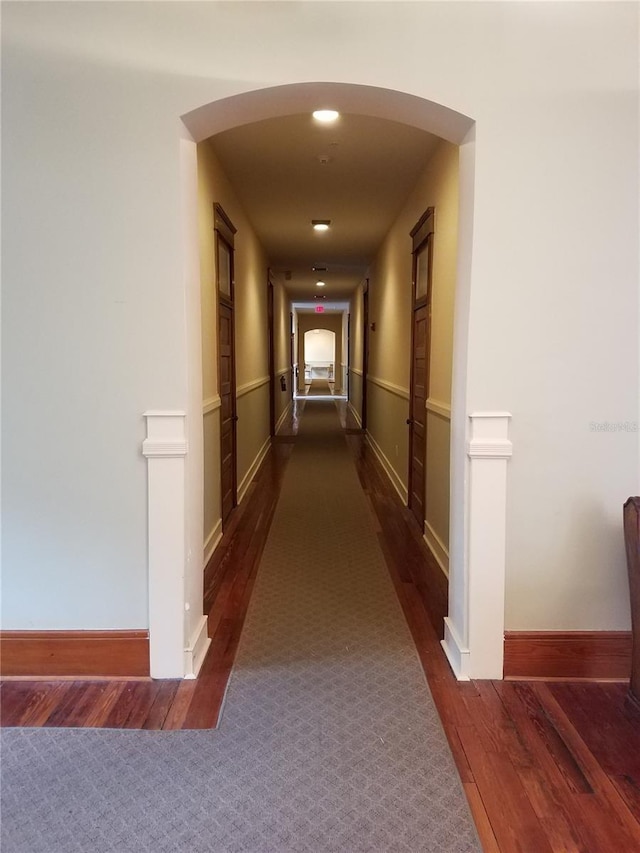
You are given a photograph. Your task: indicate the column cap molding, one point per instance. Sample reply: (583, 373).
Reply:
(153, 448)
(502, 449)
(489, 437)
(490, 415)
(165, 434)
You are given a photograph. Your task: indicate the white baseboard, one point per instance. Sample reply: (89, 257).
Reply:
(195, 652)
(253, 469)
(355, 414)
(457, 655)
(284, 415)
(390, 471)
(212, 542)
(437, 548)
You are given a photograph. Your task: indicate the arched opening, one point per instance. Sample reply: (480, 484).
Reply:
(319, 356)
(465, 607)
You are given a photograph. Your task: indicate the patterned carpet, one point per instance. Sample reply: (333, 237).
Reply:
(329, 740)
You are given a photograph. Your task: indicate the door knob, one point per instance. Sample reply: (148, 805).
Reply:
(409, 421)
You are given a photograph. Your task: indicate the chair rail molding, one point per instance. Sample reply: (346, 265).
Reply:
(165, 448)
(476, 650)
(437, 407)
(248, 387)
(211, 404)
(391, 387)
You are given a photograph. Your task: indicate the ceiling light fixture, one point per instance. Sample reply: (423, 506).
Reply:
(319, 283)
(326, 116)
(321, 224)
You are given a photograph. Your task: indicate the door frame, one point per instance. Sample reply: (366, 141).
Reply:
(474, 641)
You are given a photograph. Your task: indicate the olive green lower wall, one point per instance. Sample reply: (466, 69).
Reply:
(252, 408)
(388, 435)
(355, 394)
(283, 397)
(387, 430)
(212, 498)
(436, 528)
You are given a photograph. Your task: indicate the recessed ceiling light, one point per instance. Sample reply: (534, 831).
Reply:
(321, 224)
(326, 116)
(319, 283)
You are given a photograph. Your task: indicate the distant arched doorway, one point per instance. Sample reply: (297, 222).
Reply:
(319, 355)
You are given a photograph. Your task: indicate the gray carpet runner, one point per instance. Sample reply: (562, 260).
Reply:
(320, 387)
(329, 740)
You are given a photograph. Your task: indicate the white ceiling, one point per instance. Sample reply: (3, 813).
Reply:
(276, 170)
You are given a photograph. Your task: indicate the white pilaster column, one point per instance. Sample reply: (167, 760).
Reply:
(165, 449)
(489, 450)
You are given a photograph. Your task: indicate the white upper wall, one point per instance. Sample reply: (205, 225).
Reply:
(93, 277)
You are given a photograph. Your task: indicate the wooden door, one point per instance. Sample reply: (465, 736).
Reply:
(227, 411)
(422, 236)
(272, 367)
(365, 351)
(226, 362)
(347, 389)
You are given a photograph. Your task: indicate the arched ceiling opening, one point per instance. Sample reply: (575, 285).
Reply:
(288, 170)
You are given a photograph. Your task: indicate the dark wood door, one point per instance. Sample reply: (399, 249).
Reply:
(365, 351)
(347, 373)
(227, 411)
(272, 368)
(418, 425)
(225, 232)
(422, 236)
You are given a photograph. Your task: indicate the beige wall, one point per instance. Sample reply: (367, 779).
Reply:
(251, 334)
(252, 408)
(389, 348)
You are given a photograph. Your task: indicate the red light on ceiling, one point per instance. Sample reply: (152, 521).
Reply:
(319, 309)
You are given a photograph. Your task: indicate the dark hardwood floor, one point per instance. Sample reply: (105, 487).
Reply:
(546, 766)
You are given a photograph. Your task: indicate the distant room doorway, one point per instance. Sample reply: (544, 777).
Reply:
(319, 357)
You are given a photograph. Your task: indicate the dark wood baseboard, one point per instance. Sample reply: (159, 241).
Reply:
(51, 654)
(567, 654)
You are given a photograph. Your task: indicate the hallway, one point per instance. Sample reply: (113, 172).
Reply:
(545, 767)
